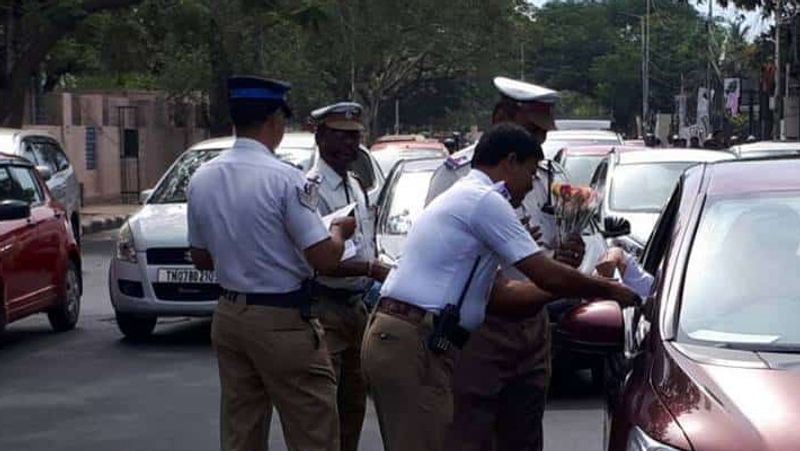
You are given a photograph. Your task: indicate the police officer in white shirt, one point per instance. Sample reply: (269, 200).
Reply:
(448, 273)
(502, 376)
(253, 219)
(340, 295)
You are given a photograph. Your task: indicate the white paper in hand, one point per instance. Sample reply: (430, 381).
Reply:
(340, 213)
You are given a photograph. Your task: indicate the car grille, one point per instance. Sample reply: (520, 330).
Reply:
(168, 256)
(187, 291)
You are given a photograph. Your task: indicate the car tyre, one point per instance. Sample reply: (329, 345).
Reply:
(65, 315)
(136, 327)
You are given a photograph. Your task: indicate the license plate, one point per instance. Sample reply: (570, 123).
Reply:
(186, 275)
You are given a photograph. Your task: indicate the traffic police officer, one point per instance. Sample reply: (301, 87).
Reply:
(447, 274)
(254, 220)
(502, 376)
(340, 294)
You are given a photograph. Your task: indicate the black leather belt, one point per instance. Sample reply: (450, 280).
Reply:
(298, 299)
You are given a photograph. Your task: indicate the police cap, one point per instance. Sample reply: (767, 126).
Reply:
(537, 99)
(259, 91)
(340, 116)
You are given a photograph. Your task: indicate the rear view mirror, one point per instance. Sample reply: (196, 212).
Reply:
(595, 327)
(144, 195)
(11, 210)
(614, 227)
(44, 172)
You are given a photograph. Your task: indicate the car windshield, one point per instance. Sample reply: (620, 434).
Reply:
(742, 287)
(406, 201)
(581, 167)
(172, 188)
(298, 156)
(387, 158)
(644, 187)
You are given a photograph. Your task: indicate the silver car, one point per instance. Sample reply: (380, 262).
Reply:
(151, 274)
(635, 185)
(44, 151)
(767, 149)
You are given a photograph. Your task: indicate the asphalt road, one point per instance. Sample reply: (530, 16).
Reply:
(91, 390)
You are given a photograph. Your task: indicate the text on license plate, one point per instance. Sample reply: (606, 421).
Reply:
(186, 275)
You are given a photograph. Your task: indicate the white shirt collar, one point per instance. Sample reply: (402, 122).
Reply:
(329, 176)
(251, 144)
(484, 179)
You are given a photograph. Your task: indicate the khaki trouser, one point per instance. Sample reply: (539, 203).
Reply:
(409, 384)
(271, 356)
(500, 386)
(344, 321)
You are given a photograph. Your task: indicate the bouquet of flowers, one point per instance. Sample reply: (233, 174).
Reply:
(574, 208)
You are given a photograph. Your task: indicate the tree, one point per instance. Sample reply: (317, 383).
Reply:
(30, 30)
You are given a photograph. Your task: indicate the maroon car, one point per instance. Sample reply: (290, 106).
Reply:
(713, 355)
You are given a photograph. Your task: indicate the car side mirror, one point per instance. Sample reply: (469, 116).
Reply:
(11, 210)
(614, 227)
(144, 195)
(596, 327)
(44, 172)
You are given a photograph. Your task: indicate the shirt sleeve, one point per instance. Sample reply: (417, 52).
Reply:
(195, 225)
(302, 219)
(495, 224)
(636, 278)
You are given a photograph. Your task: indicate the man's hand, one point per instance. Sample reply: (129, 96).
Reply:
(571, 252)
(625, 297)
(613, 259)
(380, 271)
(346, 226)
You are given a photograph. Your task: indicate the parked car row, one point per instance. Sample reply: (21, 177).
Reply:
(151, 274)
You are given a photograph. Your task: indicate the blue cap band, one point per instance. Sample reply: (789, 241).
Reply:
(256, 93)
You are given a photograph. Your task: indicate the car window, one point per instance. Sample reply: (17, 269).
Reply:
(44, 155)
(644, 187)
(28, 153)
(24, 186)
(58, 156)
(581, 167)
(172, 188)
(389, 157)
(405, 201)
(742, 278)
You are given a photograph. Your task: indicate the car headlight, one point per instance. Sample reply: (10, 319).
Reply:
(639, 441)
(125, 248)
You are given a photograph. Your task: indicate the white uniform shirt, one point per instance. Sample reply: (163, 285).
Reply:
(472, 219)
(458, 165)
(255, 215)
(336, 193)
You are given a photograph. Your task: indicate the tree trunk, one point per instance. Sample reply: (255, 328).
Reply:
(39, 42)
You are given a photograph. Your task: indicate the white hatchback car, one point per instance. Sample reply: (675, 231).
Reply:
(151, 274)
(44, 151)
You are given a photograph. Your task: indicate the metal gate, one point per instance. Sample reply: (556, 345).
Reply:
(130, 178)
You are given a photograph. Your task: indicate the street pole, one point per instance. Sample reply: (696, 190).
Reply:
(396, 116)
(647, 62)
(522, 61)
(644, 77)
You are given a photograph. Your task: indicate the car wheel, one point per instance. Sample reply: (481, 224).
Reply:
(65, 316)
(134, 326)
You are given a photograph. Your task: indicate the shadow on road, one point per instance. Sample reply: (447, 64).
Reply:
(174, 334)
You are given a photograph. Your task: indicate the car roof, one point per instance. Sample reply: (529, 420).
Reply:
(420, 164)
(566, 135)
(766, 146)
(299, 139)
(673, 155)
(408, 144)
(6, 158)
(583, 124)
(9, 135)
(753, 176)
(599, 150)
